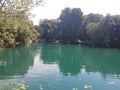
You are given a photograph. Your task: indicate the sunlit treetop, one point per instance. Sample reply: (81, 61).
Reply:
(18, 5)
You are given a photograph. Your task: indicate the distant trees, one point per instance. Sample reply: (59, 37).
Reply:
(48, 30)
(70, 24)
(115, 32)
(106, 32)
(74, 27)
(90, 22)
(65, 28)
(109, 28)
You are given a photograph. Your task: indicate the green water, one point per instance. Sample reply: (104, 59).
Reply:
(61, 67)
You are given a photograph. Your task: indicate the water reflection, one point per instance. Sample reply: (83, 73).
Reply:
(71, 59)
(16, 61)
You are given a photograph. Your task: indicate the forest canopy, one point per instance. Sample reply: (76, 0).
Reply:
(74, 27)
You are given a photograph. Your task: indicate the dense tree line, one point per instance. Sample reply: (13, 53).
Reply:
(74, 27)
(15, 26)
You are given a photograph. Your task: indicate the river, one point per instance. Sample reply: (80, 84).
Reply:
(61, 67)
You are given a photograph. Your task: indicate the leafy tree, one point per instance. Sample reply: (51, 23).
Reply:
(88, 21)
(104, 31)
(70, 23)
(91, 31)
(93, 18)
(15, 26)
(14, 31)
(48, 30)
(18, 5)
(115, 32)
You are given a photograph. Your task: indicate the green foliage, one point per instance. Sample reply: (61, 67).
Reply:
(7, 31)
(15, 30)
(109, 31)
(73, 27)
(91, 30)
(15, 26)
(65, 28)
(48, 30)
(70, 23)
(18, 5)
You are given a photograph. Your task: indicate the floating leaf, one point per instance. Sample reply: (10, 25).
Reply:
(87, 86)
(74, 89)
(111, 83)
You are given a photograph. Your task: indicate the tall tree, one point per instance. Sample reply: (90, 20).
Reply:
(115, 32)
(48, 30)
(70, 23)
(89, 21)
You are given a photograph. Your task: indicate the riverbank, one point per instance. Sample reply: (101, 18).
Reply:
(2, 49)
(85, 43)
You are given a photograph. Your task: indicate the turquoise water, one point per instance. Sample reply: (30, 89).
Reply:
(61, 67)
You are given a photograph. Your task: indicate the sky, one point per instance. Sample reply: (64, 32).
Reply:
(52, 8)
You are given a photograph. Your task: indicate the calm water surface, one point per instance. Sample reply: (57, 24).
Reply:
(61, 67)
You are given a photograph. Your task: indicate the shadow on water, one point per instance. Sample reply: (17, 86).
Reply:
(71, 59)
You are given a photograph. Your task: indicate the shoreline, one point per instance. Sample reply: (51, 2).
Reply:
(83, 44)
(65, 43)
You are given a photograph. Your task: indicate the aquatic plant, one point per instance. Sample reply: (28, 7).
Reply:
(12, 86)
